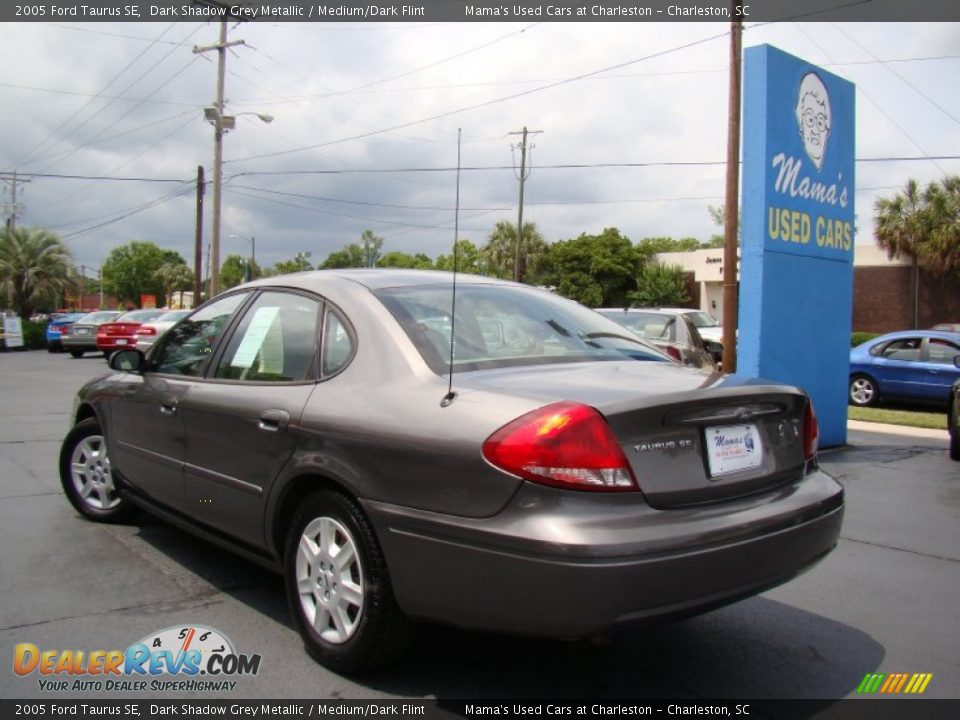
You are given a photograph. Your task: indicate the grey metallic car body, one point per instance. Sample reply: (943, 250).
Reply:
(233, 460)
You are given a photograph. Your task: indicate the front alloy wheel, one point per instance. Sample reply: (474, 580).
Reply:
(338, 586)
(86, 475)
(863, 391)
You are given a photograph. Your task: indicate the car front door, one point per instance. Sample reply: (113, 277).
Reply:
(147, 426)
(242, 422)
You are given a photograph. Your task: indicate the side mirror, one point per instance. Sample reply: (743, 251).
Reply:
(127, 361)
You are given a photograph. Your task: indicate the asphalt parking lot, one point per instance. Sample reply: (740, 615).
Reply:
(884, 601)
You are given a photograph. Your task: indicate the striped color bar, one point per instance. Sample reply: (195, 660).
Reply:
(894, 683)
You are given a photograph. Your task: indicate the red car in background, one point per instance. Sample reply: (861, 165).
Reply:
(122, 332)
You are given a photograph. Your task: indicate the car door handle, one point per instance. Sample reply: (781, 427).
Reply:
(168, 408)
(274, 420)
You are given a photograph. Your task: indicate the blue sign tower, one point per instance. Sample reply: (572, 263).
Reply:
(796, 268)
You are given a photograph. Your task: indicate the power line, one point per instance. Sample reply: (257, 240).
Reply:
(87, 104)
(486, 103)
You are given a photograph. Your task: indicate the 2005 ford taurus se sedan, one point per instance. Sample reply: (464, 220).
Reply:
(566, 478)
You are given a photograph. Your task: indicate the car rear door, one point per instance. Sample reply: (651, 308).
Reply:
(242, 422)
(938, 367)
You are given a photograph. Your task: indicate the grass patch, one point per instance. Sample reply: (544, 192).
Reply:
(911, 418)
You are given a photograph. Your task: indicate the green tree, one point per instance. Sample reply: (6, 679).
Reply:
(350, 256)
(35, 268)
(370, 245)
(499, 254)
(131, 270)
(659, 285)
(595, 270)
(299, 263)
(232, 271)
(398, 259)
(648, 247)
(469, 259)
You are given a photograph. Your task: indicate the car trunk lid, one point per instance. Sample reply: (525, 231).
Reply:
(690, 437)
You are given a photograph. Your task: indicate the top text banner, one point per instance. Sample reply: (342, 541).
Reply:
(483, 10)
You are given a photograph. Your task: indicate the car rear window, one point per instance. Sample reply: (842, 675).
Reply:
(504, 326)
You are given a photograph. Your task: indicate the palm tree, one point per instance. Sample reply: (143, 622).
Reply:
(174, 276)
(941, 252)
(925, 226)
(35, 267)
(899, 229)
(501, 252)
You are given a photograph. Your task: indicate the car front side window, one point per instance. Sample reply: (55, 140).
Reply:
(188, 347)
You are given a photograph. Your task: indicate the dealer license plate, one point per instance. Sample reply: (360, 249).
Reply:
(122, 341)
(733, 448)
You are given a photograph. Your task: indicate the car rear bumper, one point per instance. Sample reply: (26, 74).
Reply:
(568, 565)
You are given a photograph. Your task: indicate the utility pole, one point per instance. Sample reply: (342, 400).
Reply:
(731, 210)
(253, 257)
(83, 287)
(216, 117)
(13, 208)
(198, 240)
(524, 174)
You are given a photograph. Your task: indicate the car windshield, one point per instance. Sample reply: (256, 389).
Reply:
(140, 316)
(173, 316)
(504, 326)
(98, 317)
(650, 325)
(702, 320)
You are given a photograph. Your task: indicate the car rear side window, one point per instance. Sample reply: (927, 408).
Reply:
(942, 351)
(503, 326)
(337, 344)
(188, 347)
(275, 341)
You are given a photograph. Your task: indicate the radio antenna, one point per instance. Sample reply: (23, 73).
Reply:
(451, 395)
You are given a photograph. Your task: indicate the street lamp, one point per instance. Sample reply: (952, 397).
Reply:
(253, 255)
(222, 123)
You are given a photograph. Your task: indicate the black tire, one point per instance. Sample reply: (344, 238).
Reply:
(952, 423)
(376, 631)
(77, 353)
(863, 391)
(86, 476)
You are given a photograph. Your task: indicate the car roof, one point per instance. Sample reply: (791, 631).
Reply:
(375, 279)
(939, 334)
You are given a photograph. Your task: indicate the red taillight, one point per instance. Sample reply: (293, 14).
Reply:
(146, 331)
(811, 432)
(565, 445)
(673, 352)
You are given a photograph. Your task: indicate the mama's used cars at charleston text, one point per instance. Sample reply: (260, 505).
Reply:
(574, 478)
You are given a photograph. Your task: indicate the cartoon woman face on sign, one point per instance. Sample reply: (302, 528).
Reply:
(813, 117)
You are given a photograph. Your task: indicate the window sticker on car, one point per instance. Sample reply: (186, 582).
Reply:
(253, 339)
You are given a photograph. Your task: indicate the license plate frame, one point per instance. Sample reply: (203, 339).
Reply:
(733, 448)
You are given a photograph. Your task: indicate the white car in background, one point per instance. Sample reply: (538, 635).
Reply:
(148, 333)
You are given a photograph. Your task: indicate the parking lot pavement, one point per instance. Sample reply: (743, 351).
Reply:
(884, 601)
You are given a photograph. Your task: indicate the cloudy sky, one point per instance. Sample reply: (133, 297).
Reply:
(366, 121)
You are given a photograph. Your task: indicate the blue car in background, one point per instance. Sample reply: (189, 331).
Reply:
(913, 365)
(55, 327)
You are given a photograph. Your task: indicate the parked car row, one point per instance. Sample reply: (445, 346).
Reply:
(108, 331)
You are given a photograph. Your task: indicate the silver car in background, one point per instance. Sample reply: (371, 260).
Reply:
(148, 333)
(519, 464)
(672, 332)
